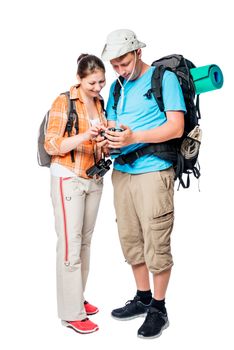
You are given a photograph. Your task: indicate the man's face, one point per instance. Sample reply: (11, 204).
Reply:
(124, 66)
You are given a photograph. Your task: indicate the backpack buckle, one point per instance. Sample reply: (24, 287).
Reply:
(148, 94)
(138, 154)
(120, 160)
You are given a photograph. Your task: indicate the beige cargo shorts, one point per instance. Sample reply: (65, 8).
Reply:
(145, 214)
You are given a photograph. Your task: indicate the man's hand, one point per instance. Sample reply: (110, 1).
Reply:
(118, 139)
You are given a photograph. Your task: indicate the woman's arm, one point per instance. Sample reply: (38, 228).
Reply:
(70, 143)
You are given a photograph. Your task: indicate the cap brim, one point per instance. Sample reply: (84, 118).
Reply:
(111, 52)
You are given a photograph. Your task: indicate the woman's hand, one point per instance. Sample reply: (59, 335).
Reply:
(93, 132)
(101, 140)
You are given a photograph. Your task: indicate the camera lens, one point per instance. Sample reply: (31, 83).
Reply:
(102, 133)
(114, 151)
(108, 162)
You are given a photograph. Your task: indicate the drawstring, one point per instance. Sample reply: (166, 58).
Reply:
(123, 85)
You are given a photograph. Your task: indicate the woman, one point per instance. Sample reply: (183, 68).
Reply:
(75, 196)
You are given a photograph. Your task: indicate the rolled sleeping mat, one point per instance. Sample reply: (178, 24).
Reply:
(207, 78)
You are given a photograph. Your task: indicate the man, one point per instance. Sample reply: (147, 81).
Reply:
(143, 190)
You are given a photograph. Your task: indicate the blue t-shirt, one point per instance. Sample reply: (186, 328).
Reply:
(140, 113)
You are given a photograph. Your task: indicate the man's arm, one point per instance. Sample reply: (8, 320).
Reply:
(173, 128)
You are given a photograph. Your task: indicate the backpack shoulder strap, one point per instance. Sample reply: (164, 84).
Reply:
(70, 102)
(72, 116)
(156, 85)
(103, 105)
(116, 92)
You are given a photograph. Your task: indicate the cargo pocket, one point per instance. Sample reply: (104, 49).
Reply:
(164, 201)
(167, 178)
(159, 257)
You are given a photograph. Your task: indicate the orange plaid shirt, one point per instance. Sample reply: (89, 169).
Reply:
(84, 153)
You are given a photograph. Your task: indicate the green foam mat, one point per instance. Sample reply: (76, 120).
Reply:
(207, 78)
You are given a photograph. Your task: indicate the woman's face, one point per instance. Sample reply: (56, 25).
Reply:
(93, 83)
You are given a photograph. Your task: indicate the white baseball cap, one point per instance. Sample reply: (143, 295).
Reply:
(120, 42)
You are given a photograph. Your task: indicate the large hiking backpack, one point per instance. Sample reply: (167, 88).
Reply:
(182, 152)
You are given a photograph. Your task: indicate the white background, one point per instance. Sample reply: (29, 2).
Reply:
(40, 42)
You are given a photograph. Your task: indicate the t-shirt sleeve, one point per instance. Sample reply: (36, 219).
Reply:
(172, 93)
(111, 114)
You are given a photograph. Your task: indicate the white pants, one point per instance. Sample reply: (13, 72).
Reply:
(75, 201)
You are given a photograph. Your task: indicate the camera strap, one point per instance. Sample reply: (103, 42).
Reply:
(96, 153)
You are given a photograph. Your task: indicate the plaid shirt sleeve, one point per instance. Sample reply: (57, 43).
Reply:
(56, 126)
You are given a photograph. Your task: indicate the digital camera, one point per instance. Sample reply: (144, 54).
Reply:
(112, 150)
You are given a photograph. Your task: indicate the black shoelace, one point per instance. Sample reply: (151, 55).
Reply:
(135, 300)
(154, 317)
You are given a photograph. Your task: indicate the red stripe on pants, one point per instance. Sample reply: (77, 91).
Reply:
(64, 220)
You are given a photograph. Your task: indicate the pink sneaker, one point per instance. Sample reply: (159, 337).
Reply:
(90, 309)
(84, 326)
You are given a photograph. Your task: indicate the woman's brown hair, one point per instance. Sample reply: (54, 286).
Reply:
(88, 64)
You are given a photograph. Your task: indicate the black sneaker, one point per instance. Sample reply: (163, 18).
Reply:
(132, 309)
(155, 322)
